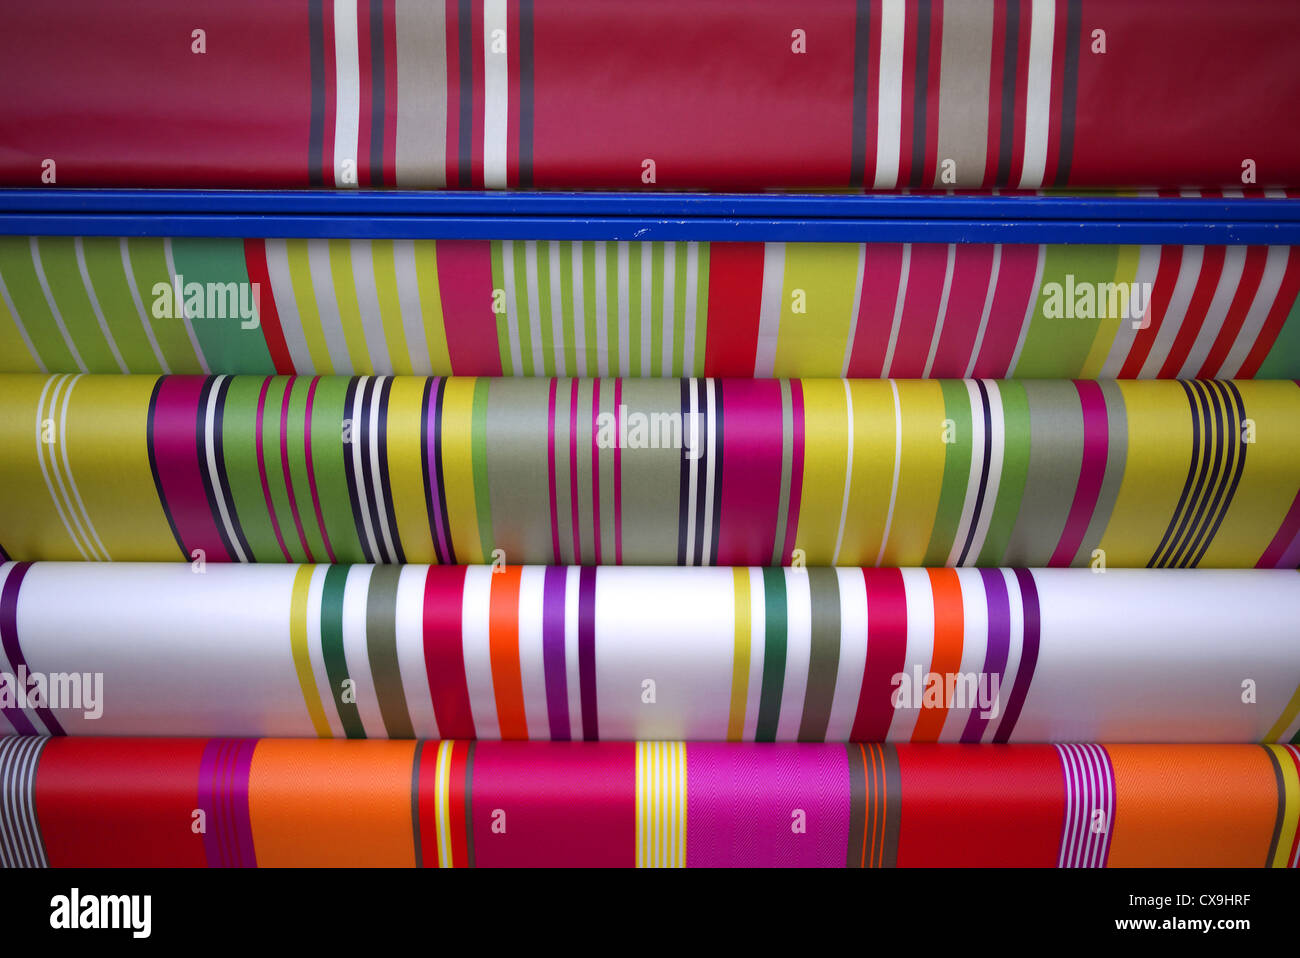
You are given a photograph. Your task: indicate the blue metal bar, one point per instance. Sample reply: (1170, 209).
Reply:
(651, 216)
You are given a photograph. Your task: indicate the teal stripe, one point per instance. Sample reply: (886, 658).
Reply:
(774, 653)
(331, 642)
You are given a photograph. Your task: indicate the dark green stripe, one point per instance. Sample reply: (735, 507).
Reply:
(774, 653)
(956, 473)
(1015, 467)
(331, 644)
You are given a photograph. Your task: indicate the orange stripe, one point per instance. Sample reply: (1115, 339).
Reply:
(503, 642)
(948, 623)
(310, 800)
(1192, 806)
(866, 806)
(884, 805)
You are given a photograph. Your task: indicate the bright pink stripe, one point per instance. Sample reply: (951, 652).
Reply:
(1096, 441)
(465, 285)
(1287, 540)
(311, 472)
(886, 653)
(740, 797)
(1015, 287)
(880, 275)
(573, 469)
(595, 467)
(261, 469)
(550, 469)
(180, 473)
(284, 464)
(971, 272)
(751, 470)
(796, 472)
(920, 309)
(618, 481)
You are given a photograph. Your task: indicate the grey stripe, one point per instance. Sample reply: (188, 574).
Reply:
(421, 93)
(1116, 457)
(963, 80)
(1055, 455)
(21, 845)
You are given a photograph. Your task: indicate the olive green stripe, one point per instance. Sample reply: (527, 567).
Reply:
(381, 642)
(824, 659)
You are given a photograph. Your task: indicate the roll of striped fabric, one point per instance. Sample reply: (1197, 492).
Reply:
(679, 93)
(720, 472)
(525, 308)
(281, 802)
(546, 652)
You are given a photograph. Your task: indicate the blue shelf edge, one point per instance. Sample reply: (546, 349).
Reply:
(652, 216)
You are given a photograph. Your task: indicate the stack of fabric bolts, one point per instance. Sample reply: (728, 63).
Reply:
(428, 529)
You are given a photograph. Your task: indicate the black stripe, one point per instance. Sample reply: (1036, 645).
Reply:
(377, 92)
(415, 782)
(153, 468)
(857, 806)
(984, 472)
(200, 435)
(1069, 91)
(525, 92)
(1157, 559)
(350, 472)
(1220, 512)
(919, 90)
(442, 489)
(1011, 41)
(223, 479)
(684, 483)
(717, 474)
(429, 504)
(701, 470)
(861, 88)
(465, 137)
(469, 803)
(315, 135)
(1216, 480)
(369, 481)
(1281, 806)
(1212, 456)
(385, 391)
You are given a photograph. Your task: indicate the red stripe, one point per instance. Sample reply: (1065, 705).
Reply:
(932, 95)
(366, 75)
(1286, 534)
(908, 115)
(873, 98)
(751, 463)
(180, 474)
(1162, 292)
(735, 300)
(1021, 98)
(389, 168)
(1203, 294)
(993, 146)
(479, 98)
(886, 652)
(426, 792)
(512, 93)
(331, 98)
(268, 317)
(1057, 94)
(144, 793)
(550, 469)
(1251, 274)
(444, 657)
(465, 286)
(458, 805)
(595, 468)
(882, 271)
(1282, 305)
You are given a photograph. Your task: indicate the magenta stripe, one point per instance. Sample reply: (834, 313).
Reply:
(261, 469)
(1284, 551)
(796, 474)
(1092, 470)
(465, 286)
(742, 799)
(880, 276)
(920, 309)
(311, 471)
(284, 464)
(573, 470)
(176, 417)
(432, 435)
(1015, 287)
(971, 272)
(550, 470)
(751, 460)
(618, 481)
(13, 650)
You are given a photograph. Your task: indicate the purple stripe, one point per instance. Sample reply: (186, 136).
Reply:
(550, 470)
(1284, 551)
(587, 651)
(1092, 470)
(14, 653)
(207, 802)
(1028, 656)
(223, 792)
(557, 682)
(242, 816)
(999, 645)
(1109, 784)
(435, 487)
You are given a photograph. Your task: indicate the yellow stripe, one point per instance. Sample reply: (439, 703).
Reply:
(1264, 495)
(345, 292)
(1155, 469)
(1107, 329)
(920, 476)
(406, 470)
(15, 357)
(740, 658)
(1285, 719)
(810, 342)
(873, 471)
(825, 461)
(435, 330)
(301, 655)
(458, 468)
(1290, 799)
(304, 296)
(390, 308)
